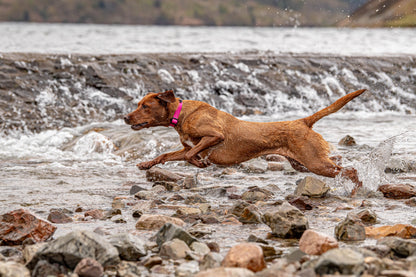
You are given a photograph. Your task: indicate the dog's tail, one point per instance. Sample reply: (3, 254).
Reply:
(310, 120)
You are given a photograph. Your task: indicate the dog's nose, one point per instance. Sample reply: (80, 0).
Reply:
(127, 119)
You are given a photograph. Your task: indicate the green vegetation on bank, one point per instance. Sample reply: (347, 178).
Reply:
(181, 12)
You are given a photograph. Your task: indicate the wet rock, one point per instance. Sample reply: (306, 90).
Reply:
(194, 199)
(303, 203)
(342, 261)
(398, 191)
(254, 166)
(350, 229)
(225, 272)
(152, 261)
(58, 217)
(184, 212)
(270, 253)
(135, 189)
(169, 186)
(401, 247)
(250, 215)
(281, 268)
(187, 269)
(118, 219)
(276, 166)
(214, 246)
(366, 216)
(137, 214)
(158, 174)
(70, 249)
(311, 187)
(380, 250)
(239, 207)
(154, 222)
(88, 267)
(404, 231)
(19, 225)
(315, 243)
(200, 248)
(210, 260)
(44, 268)
(246, 255)
(118, 203)
(190, 182)
(130, 248)
(174, 249)
(255, 194)
(129, 269)
(95, 214)
(411, 202)
(170, 231)
(347, 141)
(286, 221)
(397, 166)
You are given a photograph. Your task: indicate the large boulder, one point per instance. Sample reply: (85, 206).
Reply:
(286, 221)
(19, 225)
(70, 249)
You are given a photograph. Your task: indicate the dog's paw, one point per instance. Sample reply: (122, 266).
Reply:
(144, 165)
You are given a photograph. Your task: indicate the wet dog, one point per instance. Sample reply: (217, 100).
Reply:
(209, 135)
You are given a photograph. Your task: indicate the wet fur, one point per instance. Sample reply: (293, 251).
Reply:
(210, 136)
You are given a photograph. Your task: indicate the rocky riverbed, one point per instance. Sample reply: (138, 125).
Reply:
(74, 204)
(173, 224)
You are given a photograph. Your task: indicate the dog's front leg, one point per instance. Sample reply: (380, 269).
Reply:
(172, 156)
(192, 155)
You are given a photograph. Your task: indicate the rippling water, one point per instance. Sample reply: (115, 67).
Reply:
(104, 39)
(88, 165)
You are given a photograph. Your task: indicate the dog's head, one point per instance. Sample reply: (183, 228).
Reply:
(152, 110)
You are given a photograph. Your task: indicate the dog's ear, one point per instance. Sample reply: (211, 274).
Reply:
(167, 96)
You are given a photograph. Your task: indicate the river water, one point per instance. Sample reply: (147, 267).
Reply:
(88, 157)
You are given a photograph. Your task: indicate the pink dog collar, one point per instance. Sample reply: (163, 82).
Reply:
(175, 118)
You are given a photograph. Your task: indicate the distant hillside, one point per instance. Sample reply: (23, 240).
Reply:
(383, 13)
(181, 12)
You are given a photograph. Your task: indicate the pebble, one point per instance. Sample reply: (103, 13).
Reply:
(350, 229)
(59, 217)
(88, 267)
(311, 187)
(398, 191)
(347, 141)
(158, 174)
(246, 255)
(404, 231)
(18, 225)
(315, 243)
(286, 221)
(156, 221)
(95, 214)
(174, 249)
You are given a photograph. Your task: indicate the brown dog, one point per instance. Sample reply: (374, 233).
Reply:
(213, 136)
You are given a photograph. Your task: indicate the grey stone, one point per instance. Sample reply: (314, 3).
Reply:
(286, 221)
(340, 260)
(311, 187)
(70, 249)
(401, 247)
(170, 231)
(211, 260)
(130, 248)
(350, 229)
(174, 249)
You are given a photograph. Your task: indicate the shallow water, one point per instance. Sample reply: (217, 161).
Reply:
(88, 164)
(104, 39)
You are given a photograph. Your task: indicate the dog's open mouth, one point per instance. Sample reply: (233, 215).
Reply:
(139, 126)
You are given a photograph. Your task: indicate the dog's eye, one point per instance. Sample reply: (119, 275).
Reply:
(145, 106)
